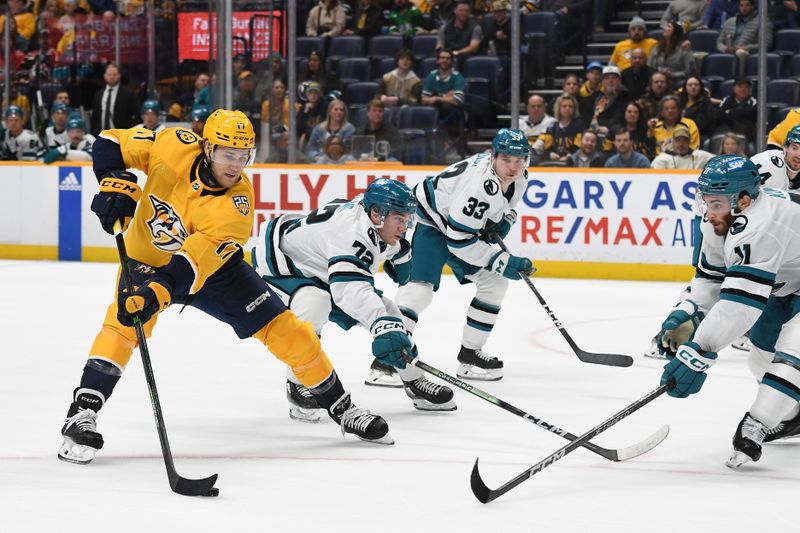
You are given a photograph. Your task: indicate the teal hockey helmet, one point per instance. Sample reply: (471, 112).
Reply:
(390, 195)
(512, 142)
(76, 123)
(199, 113)
(14, 111)
(151, 105)
(728, 175)
(793, 136)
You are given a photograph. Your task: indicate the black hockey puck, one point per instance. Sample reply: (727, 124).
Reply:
(214, 491)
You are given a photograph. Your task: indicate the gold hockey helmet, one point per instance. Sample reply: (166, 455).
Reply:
(229, 128)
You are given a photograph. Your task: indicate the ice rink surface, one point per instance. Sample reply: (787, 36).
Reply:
(225, 411)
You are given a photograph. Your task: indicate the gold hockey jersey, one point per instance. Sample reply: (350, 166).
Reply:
(178, 212)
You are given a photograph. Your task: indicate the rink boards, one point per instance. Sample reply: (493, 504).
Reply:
(583, 223)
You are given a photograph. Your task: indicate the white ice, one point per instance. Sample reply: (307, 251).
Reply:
(225, 411)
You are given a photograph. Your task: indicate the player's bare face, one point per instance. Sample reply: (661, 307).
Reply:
(508, 167)
(394, 226)
(792, 156)
(718, 212)
(227, 164)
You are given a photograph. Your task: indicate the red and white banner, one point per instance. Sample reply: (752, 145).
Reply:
(194, 37)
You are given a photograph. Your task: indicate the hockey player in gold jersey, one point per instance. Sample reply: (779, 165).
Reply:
(185, 234)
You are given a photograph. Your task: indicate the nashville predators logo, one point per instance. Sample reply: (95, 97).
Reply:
(166, 226)
(242, 204)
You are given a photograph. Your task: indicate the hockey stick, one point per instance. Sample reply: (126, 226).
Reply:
(609, 359)
(181, 485)
(486, 495)
(621, 454)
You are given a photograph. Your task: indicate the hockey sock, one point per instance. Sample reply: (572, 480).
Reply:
(101, 376)
(481, 317)
(329, 391)
(412, 299)
(779, 391)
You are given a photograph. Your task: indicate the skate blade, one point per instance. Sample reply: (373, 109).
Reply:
(424, 405)
(78, 454)
(378, 378)
(309, 416)
(737, 460)
(386, 439)
(743, 346)
(466, 371)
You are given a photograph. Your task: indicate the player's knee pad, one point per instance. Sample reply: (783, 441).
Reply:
(491, 289)
(415, 295)
(296, 343)
(758, 361)
(312, 305)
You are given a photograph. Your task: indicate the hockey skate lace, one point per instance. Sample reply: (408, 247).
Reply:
(304, 392)
(775, 430)
(357, 418)
(482, 355)
(753, 430)
(428, 387)
(85, 420)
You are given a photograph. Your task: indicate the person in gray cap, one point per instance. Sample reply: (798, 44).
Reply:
(637, 30)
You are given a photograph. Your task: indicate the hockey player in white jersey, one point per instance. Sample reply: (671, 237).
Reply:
(749, 280)
(55, 135)
(456, 208)
(19, 144)
(323, 264)
(78, 147)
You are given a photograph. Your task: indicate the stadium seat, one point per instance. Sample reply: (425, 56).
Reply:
(787, 41)
(382, 66)
(486, 67)
(417, 126)
(775, 115)
(359, 93)
(773, 66)
(384, 46)
(656, 34)
(305, 45)
(794, 66)
(703, 40)
(783, 91)
(541, 22)
(346, 46)
(424, 67)
(423, 46)
(351, 69)
(719, 66)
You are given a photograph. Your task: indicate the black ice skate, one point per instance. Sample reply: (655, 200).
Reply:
(474, 364)
(785, 430)
(81, 439)
(429, 396)
(381, 375)
(747, 442)
(360, 422)
(302, 404)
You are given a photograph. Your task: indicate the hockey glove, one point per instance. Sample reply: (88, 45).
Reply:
(145, 301)
(56, 154)
(688, 369)
(399, 267)
(511, 266)
(494, 231)
(117, 199)
(678, 328)
(390, 341)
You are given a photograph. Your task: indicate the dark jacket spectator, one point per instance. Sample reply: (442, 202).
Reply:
(497, 31)
(328, 81)
(587, 156)
(380, 128)
(123, 111)
(737, 112)
(462, 34)
(368, 20)
(636, 78)
(697, 105)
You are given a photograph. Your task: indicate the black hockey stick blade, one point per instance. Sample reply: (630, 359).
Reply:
(194, 487)
(479, 488)
(608, 359)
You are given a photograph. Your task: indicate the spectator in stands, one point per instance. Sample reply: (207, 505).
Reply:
(626, 156)
(279, 150)
(561, 138)
(610, 102)
(107, 8)
(62, 97)
(588, 91)
(368, 20)
(660, 86)
(19, 144)
(115, 106)
(442, 12)
(623, 51)
(687, 13)
(17, 92)
(335, 123)
(636, 124)
(198, 116)
(24, 27)
(405, 19)
(739, 34)
(444, 89)
(334, 152)
(737, 112)
(537, 121)
(56, 134)
(732, 144)
(637, 77)
(680, 154)
(275, 71)
(239, 65)
(571, 86)
(78, 146)
(150, 113)
(187, 99)
(497, 31)
(400, 86)
(326, 19)
(697, 105)
(669, 56)
(783, 14)
(662, 128)
(462, 34)
(328, 81)
(275, 109)
(587, 155)
(718, 11)
(245, 99)
(312, 111)
(380, 128)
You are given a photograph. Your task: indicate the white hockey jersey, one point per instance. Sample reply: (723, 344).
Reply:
(24, 147)
(53, 139)
(337, 247)
(462, 199)
(759, 256)
(773, 171)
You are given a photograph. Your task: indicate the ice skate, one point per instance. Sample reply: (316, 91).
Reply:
(653, 350)
(381, 375)
(360, 422)
(81, 439)
(747, 442)
(787, 429)
(742, 343)
(302, 404)
(430, 396)
(474, 364)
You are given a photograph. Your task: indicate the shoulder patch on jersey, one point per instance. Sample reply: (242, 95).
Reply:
(777, 161)
(738, 225)
(186, 136)
(372, 236)
(241, 203)
(491, 187)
